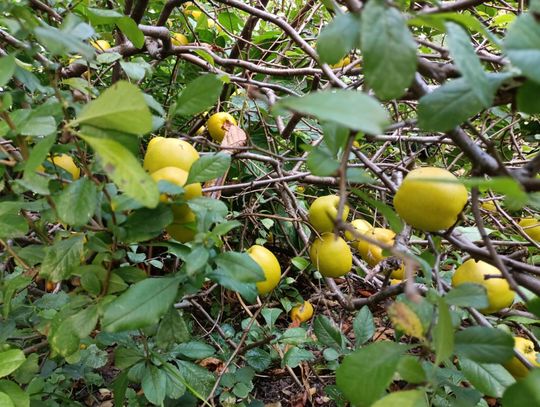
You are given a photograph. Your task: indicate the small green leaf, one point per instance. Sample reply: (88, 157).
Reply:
(527, 98)
(321, 162)
(7, 69)
(410, 369)
(61, 258)
(490, 379)
(111, 110)
(130, 29)
(522, 43)
(443, 335)
(468, 295)
(294, 356)
(77, 203)
(154, 383)
(484, 345)
(388, 48)
(10, 360)
(338, 38)
(141, 305)
(194, 350)
(371, 369)
(209, 167)
(350, 108)
(468, 62)
(363, 326)
(199, 95)
(328, 333)
(137, 227)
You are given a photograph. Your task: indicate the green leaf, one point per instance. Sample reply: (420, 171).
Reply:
(61, 258)
(10, 360)
(410, 369)
(388, 48)
(363, 326)
(393, 219)
(238, 272)
(209, 167)
(468, 295)
(5, 400)
(17, 395)
(137, 227)
(121, 107)
(338, 38)
(196, 378)
(99, 16)
(130, 29)
(328, 333)
(525, 392)
(12, 224)
(522, 45)
(321, 162)
(67, 40)
(154, 384)
(77, 203)
(452, 103)
(350, 108)
(194, 350)
(490, 379)
(407, 398)
(124, 169)
(7, 69)
(443, 335)
(38, 126)
(258, 359)
(141, 305)
(38, 154)
(172, 329)
(294, 356)
(468, 62)
(12, 286)
(371, 369)
(527, 97)
(64, 338)
(484, 345)
(199, 95)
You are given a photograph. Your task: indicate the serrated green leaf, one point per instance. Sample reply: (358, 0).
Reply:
(363, 326)
(77, 203)
(490, 379)
(141, 305)
(131, 30)
(484, 345)
(61, 258)
(388, 48)
(154, 383)
(525, 392)
(405, 398)
(199, 95)
(110, 110)
(328, 333)
(7, 69)
(468, 295)
(18, 396)
(352, 109)
(338, 38)
(10, 360)
(443, 335)
(209, 167)
(522, 45)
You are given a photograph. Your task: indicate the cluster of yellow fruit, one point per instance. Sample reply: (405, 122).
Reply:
(331, 254)
(170, 159)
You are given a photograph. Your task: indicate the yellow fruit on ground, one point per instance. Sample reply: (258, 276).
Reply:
(430, 205)
(215, 125)
(181, 228)
(302, 312)
(526, 348)
(179, 39)
(102, 45)
(331, 255)
(173, 175)
(398, 273)
(269, 265)
(488, 206)
(169, 152)
(498, 291)
(371, 253)
(323, 212)
(531, 227)
(65, 162)
(342, 62)
(362, 226)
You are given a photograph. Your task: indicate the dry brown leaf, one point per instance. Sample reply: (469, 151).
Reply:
(235, 137)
